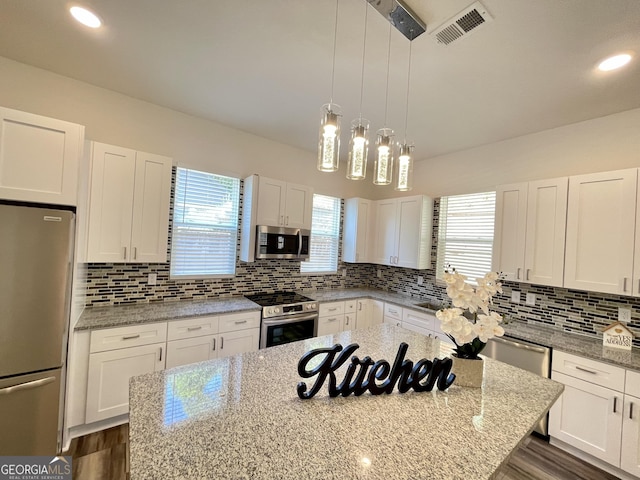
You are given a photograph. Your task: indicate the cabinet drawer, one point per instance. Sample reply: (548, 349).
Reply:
(333, 308)
(393, 311)
(417, 319)
(131, 336)
(238, 321)
(599, 373)
(350, 306)
(632, 383)
(192, 327)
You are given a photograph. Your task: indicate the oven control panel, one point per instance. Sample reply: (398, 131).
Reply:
(291, 309)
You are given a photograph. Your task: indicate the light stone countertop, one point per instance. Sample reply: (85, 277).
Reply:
(240, 417)
(123, 315)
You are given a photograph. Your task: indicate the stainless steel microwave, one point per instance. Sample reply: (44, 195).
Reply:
(282, 242)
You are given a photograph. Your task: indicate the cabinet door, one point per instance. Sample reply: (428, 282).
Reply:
(356, 240)
(109, 374)
(190, 350)
(630, 453)
(233, 343)
(376, 311)
(510, 230)
(330, 325)
(39, 158)
(600, 434)
(385, 236)
(110, 203)
(545, 232)
(271, 202)
(299, 206)
(364, 309)
(151, 198)
(350, 321)
(413, 247)
(600, 232)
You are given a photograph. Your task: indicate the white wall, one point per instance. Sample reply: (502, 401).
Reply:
(117, 119)
(606, 143)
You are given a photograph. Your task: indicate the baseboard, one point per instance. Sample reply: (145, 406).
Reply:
(621, 474)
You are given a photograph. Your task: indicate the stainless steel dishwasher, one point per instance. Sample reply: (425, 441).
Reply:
(528, 356)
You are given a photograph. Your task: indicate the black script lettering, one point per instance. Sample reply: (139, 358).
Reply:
(326, 368)
(403, 372)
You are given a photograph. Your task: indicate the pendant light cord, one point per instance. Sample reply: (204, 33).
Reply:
(333, 66)
(364, 49)
(386, 98)
(406, 115)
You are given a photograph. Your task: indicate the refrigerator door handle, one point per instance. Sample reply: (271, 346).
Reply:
(27, 386)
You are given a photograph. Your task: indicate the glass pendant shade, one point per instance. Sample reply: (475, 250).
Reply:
(404, 176)
(358, 150)
(383, 167)
(329, 138)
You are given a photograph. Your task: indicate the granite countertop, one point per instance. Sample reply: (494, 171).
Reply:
(240, 417)
(122, 315)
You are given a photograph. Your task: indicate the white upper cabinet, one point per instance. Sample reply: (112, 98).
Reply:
(282, 204)
(357, 230)
(39, 158)
(600, 232)
(403, 232)
(529, 238)
(510, 230)
(129, 198)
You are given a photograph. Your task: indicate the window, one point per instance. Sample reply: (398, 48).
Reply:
(465, 234)
(325, 236)
(205, 225)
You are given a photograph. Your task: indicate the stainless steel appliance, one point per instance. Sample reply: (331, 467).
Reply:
(527, 356)
(286, 317)
(282, 242)
(36, 252)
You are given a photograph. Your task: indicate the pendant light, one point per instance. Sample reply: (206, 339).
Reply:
(383, 167)
(329, 135)
(404, 170)
(359, 143)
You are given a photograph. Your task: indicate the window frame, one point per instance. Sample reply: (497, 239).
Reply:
(334, 236)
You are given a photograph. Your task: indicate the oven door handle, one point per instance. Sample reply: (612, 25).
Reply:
(280, 320)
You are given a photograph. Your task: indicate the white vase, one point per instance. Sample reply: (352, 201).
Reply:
(469, 373)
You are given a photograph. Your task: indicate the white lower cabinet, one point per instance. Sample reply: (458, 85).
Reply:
(599, 410)
(336, 317)
(191, 350)
(109, 374)
(330, 318)
(392, 314)
(369, 312)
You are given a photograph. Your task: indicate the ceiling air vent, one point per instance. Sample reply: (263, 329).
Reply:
(462, 24)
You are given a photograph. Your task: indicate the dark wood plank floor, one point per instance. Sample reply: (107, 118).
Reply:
(102, 456)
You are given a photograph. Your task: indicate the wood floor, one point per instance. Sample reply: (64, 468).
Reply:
(102, 456)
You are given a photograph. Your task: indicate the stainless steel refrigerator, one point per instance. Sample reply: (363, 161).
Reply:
(36, 255)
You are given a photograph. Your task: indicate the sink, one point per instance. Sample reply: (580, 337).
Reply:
(429, 305)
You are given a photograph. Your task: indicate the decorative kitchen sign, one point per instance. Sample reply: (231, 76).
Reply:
(361, 375)
(617, 335)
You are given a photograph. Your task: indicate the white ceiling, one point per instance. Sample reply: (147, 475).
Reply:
(265, 66)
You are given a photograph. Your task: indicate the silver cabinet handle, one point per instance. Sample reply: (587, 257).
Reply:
(193, 329)
(582, 369)
(240, 322)
(27, 385)
(214, 345)
(135, 253)
(287, 221)
(332, 319)
(124, 253)
(221, 343)
(527, 276)
(615, 404)
(624, 284)
(332, 309)
(359, 306)
(131, 337)
(281, 219)
(346, 320)
(161, 348)
(518, 273)
(631, 411)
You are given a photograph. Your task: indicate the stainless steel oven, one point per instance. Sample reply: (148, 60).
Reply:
(286, 317)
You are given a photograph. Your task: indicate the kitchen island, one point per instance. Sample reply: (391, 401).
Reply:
(240, 417)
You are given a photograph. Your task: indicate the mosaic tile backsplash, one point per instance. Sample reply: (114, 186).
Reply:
(571, 310)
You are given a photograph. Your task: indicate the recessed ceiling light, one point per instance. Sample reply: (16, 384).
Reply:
(614, 62)
(85, 17)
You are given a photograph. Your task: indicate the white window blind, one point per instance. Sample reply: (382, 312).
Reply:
(465, 234)
(325, 236)
(205, 225)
